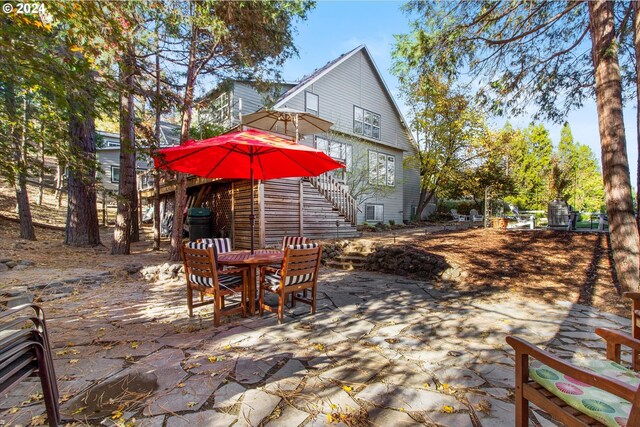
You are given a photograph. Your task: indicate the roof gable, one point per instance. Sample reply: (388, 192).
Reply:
(309, 80)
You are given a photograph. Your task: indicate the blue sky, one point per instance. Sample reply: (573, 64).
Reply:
(335, 27)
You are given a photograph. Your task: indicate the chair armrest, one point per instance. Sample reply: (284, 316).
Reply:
(613, 386)
(615, 340)
(269, 269)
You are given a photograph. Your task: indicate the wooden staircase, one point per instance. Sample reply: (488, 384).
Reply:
(335, 193)
(321, 216)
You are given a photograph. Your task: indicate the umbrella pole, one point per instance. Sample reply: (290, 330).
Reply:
(252, 217)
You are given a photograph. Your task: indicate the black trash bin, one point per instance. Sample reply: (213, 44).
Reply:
(200, 223)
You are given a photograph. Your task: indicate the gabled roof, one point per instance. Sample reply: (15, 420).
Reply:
(322, 71)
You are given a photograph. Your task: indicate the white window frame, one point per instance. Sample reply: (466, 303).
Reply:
(381, 171)
(337, 150)
(113, 168)
(307, 107)
(378, 212)
(221, 108)
(366, 123)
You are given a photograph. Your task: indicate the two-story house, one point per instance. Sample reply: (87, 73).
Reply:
(369, 134)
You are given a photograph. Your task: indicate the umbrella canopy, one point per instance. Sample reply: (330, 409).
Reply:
(287, 121)
(246, 155)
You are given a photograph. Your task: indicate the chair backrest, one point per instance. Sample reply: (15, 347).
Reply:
(515, 211)
(294, 240)
(301, 263)
(222, 244)
(454, 213)
(200, 264)
(473, 212)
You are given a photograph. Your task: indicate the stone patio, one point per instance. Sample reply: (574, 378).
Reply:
(381, 350)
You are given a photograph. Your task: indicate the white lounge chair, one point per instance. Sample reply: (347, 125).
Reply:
(521, 222)
(458, 217)
(475, 216)
(603, 220)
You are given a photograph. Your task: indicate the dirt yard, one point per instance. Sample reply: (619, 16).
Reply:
(537, 265)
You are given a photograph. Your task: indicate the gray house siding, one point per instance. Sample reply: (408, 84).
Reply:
(108, 158)
(252, 100)
(355, 83)
(391, 197)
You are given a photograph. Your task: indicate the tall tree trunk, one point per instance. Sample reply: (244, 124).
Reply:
(18, 140)
(82, 211)
(42, 166)
(156, 174)
(636, 43)
(60, 167)
(22, 195)
(181, 178)
(615, 164)
(121, 244)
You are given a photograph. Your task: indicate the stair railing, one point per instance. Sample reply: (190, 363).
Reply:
(335, 193)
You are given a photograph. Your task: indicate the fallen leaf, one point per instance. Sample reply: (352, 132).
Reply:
(180, 385)
(191, 404)
(73, 361)
(212, 359)
(116, 414)
(448, 409)
(347, 388)
(319, 347)
(13, 410)
(39, 420)
(135, 344)
(79, 410)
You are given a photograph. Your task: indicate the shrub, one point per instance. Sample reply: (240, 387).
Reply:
(392, 222)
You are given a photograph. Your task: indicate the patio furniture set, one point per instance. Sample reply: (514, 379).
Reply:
(212, 268)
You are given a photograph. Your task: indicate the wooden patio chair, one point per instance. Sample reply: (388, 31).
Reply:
(25, 352)
(299, 272)
(222, 244)
(294, 240)
(635, 325)
(202, 275)
(603, 392)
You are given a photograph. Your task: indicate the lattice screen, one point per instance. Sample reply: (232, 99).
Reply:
(222, 210)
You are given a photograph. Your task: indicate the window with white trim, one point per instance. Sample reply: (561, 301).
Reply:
(115, 173)
(382, 169)
(366, 123)
(374, 213)
(311, 103)
(221, 108)
(337, 150)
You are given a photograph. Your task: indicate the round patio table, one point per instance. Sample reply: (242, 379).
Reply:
(259, 258)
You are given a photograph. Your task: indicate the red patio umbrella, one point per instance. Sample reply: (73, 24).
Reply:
(248, 154)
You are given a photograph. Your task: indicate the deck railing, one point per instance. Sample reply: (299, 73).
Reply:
(339, 197)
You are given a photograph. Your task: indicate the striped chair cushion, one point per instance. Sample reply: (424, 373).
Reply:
(205, 244)
(293, 240)
(273, 280)
(303, 245)
(226, 281)
(222, 244)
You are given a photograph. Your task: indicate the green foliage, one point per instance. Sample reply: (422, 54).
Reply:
(392, 222)
(519, 52)
(205, 130)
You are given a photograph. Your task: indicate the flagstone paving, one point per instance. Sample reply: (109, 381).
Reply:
(381, 350)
